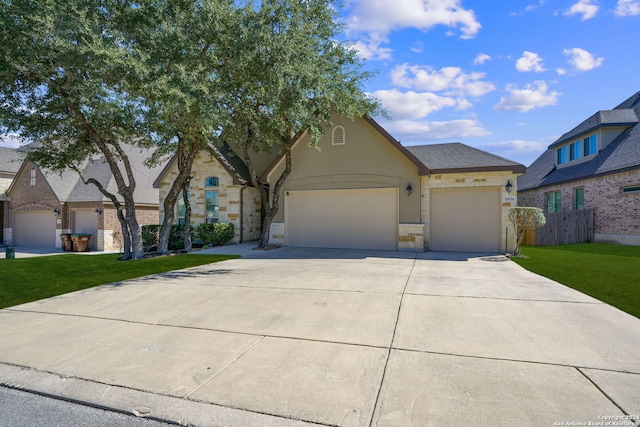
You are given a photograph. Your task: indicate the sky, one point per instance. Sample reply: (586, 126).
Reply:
(505, 76)
(508, 77)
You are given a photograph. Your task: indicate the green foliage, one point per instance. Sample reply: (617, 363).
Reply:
(31, 279)
(606, 272)
(215, 234)
(151, 233)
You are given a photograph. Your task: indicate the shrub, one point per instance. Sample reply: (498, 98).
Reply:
(150, 234)
(217, 233)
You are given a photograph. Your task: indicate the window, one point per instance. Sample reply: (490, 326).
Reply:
(590, 145)
(554, 202)
(211, 214)
(579, 198)
(338, 136)
(211, 181)
(628, 190)
(33, 177)
(182, 209)
(562, 155)
(575, 150)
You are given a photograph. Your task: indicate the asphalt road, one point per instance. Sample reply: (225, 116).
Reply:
(23, 409)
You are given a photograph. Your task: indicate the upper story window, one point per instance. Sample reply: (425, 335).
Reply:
(577, 150)
(338, 136)
(211, 181)
(590, 145)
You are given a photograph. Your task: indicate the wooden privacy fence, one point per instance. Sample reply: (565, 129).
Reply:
(562, 228)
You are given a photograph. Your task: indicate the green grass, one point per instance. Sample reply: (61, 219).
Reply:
(610, 273)
(30, 279)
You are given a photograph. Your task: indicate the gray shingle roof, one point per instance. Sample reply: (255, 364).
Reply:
(10, 160)
(458, 157)
(621, 154)
(615, 117)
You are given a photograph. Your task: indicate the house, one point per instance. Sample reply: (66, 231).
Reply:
(596, 165)
(42, 204)
(360, 188)
(10, 160)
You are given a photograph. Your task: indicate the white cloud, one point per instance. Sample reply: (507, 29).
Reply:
(586, 8)
(530, 61)
(371, 49)
(10, 140)
(561, 71)
(534, 95)
(481, 58)
(418, 47)
(383, 16)
(628, 8)
(518, 146)
(531, 7)
(449, 80)
(421, 131)
(582, 60)
(412, 105)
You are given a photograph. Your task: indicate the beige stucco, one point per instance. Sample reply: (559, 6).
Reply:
(230, 196)
(366, 160)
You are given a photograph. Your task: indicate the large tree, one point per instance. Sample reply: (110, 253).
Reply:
(286, 74)
(61, 83)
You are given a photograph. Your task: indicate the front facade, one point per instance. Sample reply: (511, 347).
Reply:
(595, 166)
(360, 188)
(42, 205)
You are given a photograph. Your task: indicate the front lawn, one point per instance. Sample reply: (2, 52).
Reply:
(29, 279)
(610, 273)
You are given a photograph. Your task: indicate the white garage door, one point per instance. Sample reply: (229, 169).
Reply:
(35, 229)
(86, 222)
(355, 219)
(465, 220)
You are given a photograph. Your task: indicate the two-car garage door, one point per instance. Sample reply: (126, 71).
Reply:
(356, 219)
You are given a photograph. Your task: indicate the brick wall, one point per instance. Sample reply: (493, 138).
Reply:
(617, 215)
(27, 197)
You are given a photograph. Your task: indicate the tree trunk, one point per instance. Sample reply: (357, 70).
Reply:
(187, 215)
(186, 154)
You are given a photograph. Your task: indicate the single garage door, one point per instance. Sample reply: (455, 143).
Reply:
(35, 229)
(355, 219)
(86, 222)
(465, 220)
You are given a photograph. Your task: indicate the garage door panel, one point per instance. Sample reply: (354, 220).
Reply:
(358, 219)
(465, 220)
(34, 229)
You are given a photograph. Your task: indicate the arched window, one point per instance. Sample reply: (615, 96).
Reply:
(211, 181)
(338, 136)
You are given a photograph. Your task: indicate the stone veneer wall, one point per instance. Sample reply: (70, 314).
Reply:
(204, 166)
(616, 215)
(276, 233)
(411, 237)
(472, 180)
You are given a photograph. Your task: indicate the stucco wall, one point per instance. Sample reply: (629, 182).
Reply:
(616, 215)
(472, 180)
(366, 160)
(206, 165)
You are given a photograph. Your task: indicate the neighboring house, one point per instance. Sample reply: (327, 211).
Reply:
(360, 188)
(596, 165)
(10, 161)
(42, 204)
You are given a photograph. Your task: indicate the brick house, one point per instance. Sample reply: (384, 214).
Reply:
(360, 188)
(595, 165)
(40, 204)
(10, 161)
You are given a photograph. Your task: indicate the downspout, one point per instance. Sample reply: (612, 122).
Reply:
(242, 212)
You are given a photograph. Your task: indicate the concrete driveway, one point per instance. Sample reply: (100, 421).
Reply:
(333, 337)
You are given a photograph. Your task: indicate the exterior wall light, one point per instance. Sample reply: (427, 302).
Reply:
(56, 212)
(409, 189)
(99, 211)
(509, 186)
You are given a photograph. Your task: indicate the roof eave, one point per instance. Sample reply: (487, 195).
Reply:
(516, 169)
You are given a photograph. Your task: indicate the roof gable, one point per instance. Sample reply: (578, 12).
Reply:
(615, 117)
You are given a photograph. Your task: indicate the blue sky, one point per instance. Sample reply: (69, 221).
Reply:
(507, 77)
